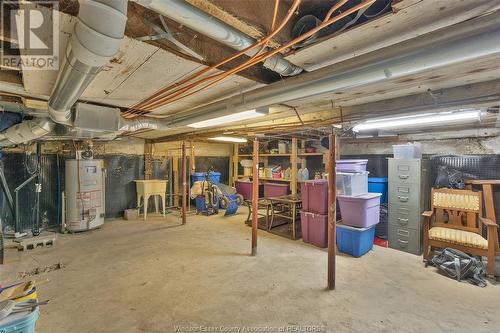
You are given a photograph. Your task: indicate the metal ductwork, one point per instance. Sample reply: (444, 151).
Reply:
(26, 131)
(197, 20)
(466, 42)
(96, 118)
(96, 38)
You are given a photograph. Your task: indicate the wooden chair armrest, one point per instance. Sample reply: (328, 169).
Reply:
(488, 222)
(428, 214)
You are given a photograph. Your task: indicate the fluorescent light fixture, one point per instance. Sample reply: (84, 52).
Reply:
(230, 118)
(417, 120)
(229, 139)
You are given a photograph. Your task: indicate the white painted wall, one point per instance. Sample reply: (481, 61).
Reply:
(480, 141)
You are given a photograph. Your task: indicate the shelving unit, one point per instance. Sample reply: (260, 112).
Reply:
(296, 159)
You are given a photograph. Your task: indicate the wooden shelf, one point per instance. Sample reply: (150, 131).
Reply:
(310, 154)
(269, 179)
(267, 155)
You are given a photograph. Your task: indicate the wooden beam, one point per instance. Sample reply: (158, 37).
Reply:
(184, 183)
(293, 164)
(255, 195)
(332, 209)
(175, 176)
(148, 159)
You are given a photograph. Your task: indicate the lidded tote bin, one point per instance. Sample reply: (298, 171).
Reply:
(314, 194)
(361, 211)
(350, 165)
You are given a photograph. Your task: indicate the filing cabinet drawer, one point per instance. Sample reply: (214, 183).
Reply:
(404, 216)
(405, 171)
(405, 194)
(405, 239)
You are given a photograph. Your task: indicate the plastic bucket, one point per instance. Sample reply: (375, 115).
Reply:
(361, 211)
(20, 322)
(378, 185)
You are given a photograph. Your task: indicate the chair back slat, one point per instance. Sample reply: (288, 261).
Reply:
(457, 207)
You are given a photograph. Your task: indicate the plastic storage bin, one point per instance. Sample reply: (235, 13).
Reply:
(244, 188)
(275, 190)
(351, 165)
(200, 204)
(200, 176)
(361, 211)
(378, 185)
(354, 241)
(408, 151)
(314, 228)
(314, 195)
(352, 183)
(23, 322)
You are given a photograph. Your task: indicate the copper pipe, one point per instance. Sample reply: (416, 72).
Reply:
(255, 195)
(256, 59)
(263, 41)
(332, 210)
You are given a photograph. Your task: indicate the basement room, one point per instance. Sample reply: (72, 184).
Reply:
(249, 166)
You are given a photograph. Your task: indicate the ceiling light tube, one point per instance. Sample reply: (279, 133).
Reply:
(417, 120)
(228, 139)
(230, 118)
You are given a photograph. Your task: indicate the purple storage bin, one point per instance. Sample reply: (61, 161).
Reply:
(351, 165)
(244, 188)
(360, 211)
(272, 190)
(314, 194)
(314, 228)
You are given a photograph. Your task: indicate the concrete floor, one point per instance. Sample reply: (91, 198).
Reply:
(132, 276)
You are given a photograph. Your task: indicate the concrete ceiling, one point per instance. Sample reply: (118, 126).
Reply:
(140, 69)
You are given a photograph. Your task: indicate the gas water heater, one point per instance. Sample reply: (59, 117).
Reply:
(84, 187)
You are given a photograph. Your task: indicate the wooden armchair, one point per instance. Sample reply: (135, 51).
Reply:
(456, 221)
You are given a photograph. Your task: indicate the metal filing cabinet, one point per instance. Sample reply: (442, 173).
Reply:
(408, 198)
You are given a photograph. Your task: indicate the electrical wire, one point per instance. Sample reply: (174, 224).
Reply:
(138, 108)
(162, 100)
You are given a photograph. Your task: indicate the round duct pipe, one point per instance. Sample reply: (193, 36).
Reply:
(182, 12)
(455, 45)
(96, 38)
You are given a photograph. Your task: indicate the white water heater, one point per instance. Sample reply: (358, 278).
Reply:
(84, 187)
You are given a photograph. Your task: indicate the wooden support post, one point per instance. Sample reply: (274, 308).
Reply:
(184, 182)
(192, 160)
(332, 208)
(303, 163)
(255, 196)
(293, 167)
(175, 176)
(148, 159)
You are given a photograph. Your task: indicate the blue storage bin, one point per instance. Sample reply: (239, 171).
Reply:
(200, 204)
(354, 241)
(20, 322)
(378, 185)
(200, 176)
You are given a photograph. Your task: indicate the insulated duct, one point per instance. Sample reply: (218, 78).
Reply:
(96, 38)
(26, 131)
(96, 118)
(460, 43)
(197, 20)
